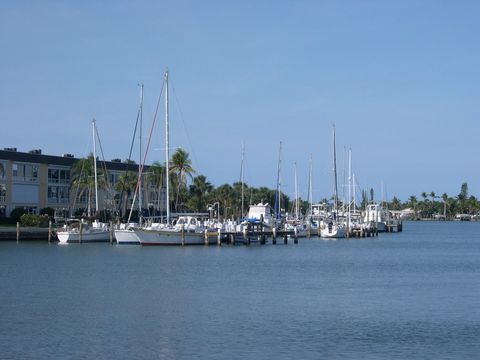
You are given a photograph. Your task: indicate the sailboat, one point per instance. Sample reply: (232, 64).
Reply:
(296, 224)
(333, 227)
(82, 231)
(125, 234)
(187, 230)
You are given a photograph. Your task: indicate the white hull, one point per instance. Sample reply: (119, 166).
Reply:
(126, 237)
(332, 232)
(170, 237)
(87, 236)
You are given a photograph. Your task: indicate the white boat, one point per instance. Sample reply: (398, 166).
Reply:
(333, 228)
(96, 232)
(126, 235)
(375, 217)
(187, 231)
(258, 214)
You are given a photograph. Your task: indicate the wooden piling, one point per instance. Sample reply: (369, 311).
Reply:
(80, 232)
(295, 235)
(49, 230)
(110, 231)
(285, 238)
(246, 240)
(18, 231)
(205, 239)
(274, 236)
(219, 238)
(183, 235)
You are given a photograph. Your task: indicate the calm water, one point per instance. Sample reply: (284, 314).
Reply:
(413, 295)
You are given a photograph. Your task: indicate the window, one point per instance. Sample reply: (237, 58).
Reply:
(25, 172)
(58, 195)
(53, 176)
(3, 170)
(3, 193)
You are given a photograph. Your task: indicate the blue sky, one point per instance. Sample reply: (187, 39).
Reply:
(400, 80)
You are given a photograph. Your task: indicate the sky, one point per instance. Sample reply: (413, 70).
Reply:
(399, 79)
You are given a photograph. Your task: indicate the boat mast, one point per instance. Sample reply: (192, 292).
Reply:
(167, 153)
(140, 162)
(349, 187)
(335, 188)
(296, 192)
(95, 165)
(310, 200)
(242, 178)
(278, 199)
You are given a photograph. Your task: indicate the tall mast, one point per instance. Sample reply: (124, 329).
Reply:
(353, 192)
(95, 165)
(349, 187)
(242, 178)
(140, 155)
(278, 199)
(167, 153)
(296, 192)
(310, 200)
(335, 189)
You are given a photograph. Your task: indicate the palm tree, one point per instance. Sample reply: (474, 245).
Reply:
(199, 191)
(83, 180)
(126, 184)
(181, 167)
(412, 200)
(433, 196)
(445, 199)
(156, 179)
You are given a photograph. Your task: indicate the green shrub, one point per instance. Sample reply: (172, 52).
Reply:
(34, 220)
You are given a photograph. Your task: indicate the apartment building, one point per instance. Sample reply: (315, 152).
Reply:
(34, 181)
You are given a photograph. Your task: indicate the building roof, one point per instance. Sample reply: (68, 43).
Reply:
(38, 158)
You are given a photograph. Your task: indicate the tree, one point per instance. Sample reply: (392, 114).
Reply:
(395, 204)
(2, 170)
(462, 197)
(83, 180)
(156, 179)
(364, 202)
(181, 167)
(445, 199)
(198, 192)
(412, 202)
(126, 185)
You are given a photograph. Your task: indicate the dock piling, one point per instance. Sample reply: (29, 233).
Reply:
(18, 231)
(49, 230)
(80, 232)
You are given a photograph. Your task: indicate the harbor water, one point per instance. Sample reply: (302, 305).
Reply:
(409, 295)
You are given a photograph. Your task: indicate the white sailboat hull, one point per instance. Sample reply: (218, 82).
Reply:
(332, 232)
(169, 237)
(126, 237)
(87, 236)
